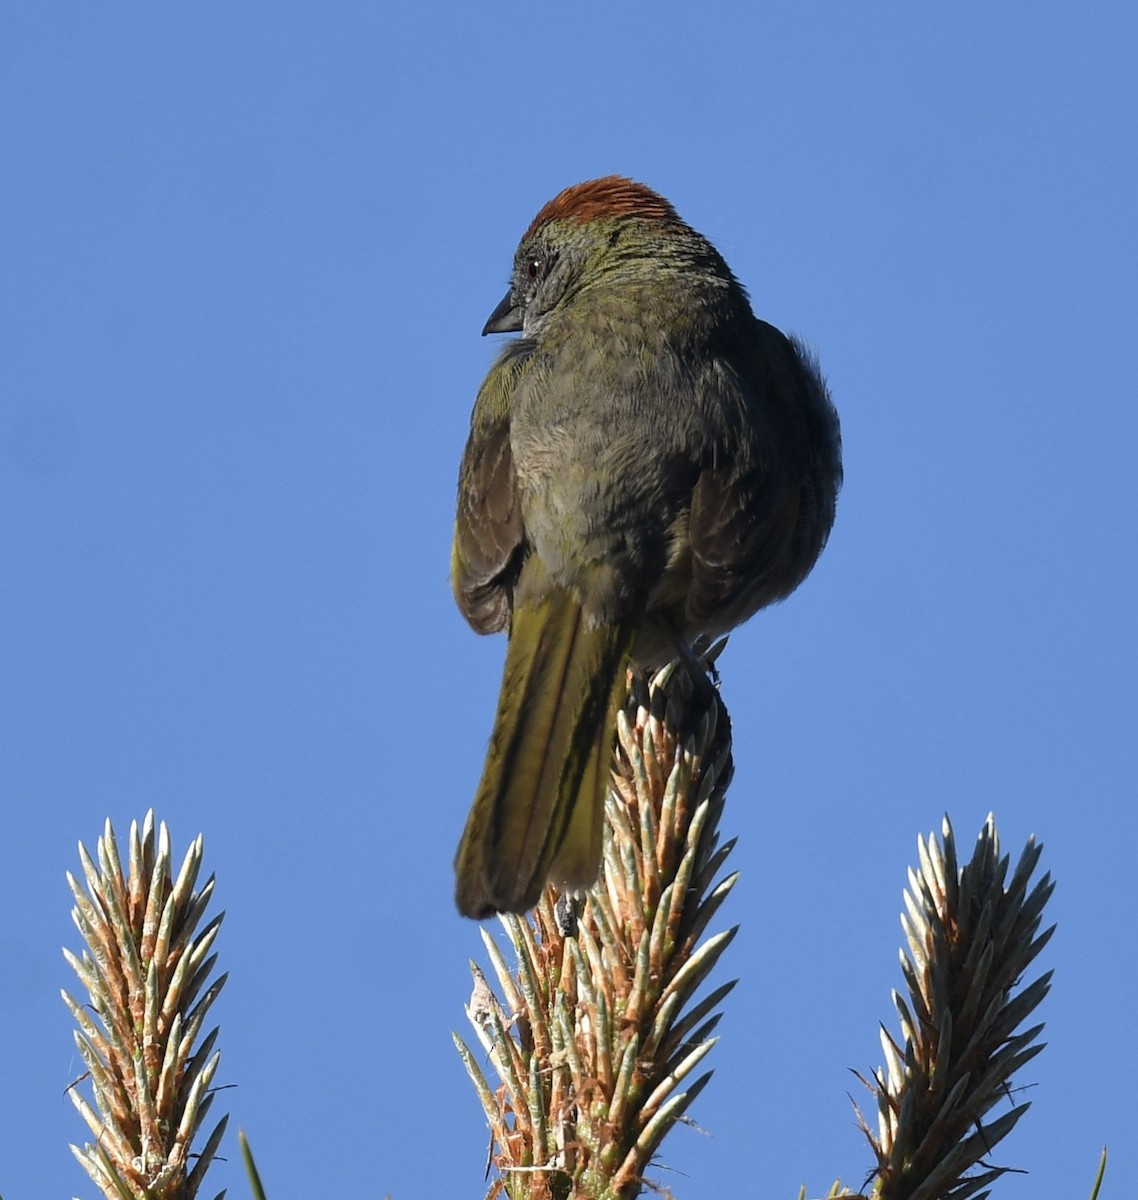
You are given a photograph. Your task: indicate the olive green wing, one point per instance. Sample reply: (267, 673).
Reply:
(489, 538)
(741, 527)
(761, 515)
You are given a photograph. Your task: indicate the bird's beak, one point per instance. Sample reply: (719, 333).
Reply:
(506, 318)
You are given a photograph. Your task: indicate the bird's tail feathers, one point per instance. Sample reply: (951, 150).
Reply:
(538, 814)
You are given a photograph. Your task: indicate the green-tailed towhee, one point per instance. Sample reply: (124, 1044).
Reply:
(648, 462)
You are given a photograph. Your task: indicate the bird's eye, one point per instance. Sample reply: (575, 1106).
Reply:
(535, 267)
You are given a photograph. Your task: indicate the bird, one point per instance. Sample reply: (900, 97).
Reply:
(647, 463)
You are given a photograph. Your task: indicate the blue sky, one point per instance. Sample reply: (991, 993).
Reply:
(247, 252)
